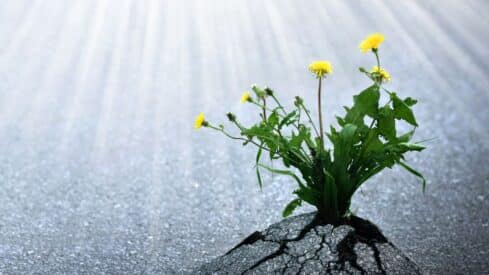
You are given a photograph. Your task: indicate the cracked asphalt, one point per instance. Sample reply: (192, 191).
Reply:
(300, 245)
(101, 171)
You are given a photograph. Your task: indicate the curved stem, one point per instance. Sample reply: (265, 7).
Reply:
(237, 138)
(278, 103)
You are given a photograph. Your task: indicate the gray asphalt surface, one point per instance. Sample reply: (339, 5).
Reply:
(101, 171)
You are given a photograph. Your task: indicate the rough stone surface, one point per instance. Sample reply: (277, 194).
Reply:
(300, 245)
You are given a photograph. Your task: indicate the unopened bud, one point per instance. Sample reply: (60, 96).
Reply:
(231, 117)
(298, 101)
(268, 91)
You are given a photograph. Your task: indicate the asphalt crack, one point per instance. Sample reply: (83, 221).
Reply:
(303, 244)
(283, 245)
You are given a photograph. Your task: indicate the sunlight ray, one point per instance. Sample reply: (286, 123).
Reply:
(112, 83)
(441, 82)
(47, 95)
(84, 69)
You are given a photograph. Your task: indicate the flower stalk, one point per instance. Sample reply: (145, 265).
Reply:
(321, 131)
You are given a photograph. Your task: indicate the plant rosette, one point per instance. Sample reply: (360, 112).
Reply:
(364, 143)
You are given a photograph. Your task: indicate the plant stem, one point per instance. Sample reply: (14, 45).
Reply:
(320, 116)
(377, 57)
(264, 109)
(310, 119)
(236, 138)
(278, 103)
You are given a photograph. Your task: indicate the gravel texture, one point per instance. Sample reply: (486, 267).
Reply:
(102, 173)
(299, 245)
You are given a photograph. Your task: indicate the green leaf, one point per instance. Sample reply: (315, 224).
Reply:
(386, 123)
(308, 195)
(257, 161)
(365, 103)
(406, 137)
(368, 100)
(414, 172)
(341, 121)
(291, 206)
(412, 146)
(284, 172)
(403, 111)
(259, 130)
(288, 119)
(374, 144)
(343, 144)
(273, 119)
(410, 101)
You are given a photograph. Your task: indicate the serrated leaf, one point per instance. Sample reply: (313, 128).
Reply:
(288, 119)
(291, 206)
(410, 101)
(368, 100)
(365, 103)
(403, 111)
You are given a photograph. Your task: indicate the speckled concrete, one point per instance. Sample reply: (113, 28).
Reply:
(300, 245)
(101, 171)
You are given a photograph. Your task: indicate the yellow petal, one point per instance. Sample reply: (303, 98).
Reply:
(245, 97)
(199, 121)
(320, 68)
(372, 41)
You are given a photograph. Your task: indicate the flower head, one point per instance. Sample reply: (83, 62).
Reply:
(384, 75)
(320, 68)
(246, 97)
(372, 42)
(200, 121)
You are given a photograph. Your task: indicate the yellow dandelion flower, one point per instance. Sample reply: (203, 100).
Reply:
(246, 97)
(383, 73)
(372, 42)
(320, 68)
(200, 121)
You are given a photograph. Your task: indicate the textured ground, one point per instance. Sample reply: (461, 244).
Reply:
(300, 245)
(101, 171)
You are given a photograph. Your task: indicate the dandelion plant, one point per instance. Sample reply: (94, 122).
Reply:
(364, 142)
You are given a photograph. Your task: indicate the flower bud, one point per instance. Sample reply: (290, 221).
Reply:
(231, 117)
(298, 101)
(268, 91)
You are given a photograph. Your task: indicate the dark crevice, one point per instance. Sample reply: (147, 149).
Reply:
(316, 252)
(282, 271)
(364, 232)
(346, 252)
(254, 237)
(283, 245)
